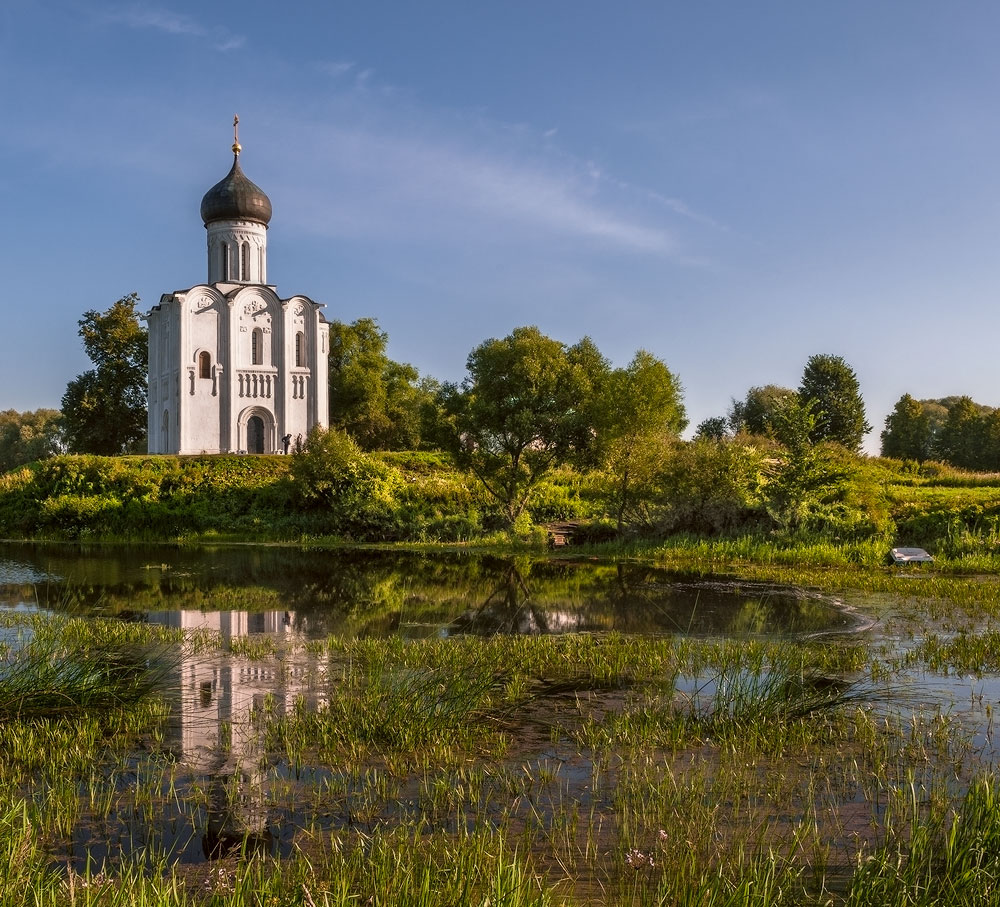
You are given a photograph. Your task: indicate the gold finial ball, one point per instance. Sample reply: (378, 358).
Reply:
(237, 147)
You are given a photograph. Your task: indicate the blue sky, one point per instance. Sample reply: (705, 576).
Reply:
(732, 186)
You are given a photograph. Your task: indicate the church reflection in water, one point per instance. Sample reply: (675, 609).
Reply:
(213, 728)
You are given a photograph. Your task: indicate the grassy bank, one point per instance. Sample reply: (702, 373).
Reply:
(421, 498)
(254, 498)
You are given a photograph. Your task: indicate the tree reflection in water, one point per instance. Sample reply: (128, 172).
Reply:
(366, 593)
(291, 596)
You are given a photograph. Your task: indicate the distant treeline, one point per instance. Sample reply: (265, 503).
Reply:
(955, 430)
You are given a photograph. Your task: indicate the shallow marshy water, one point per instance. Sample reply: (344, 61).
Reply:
(313, 593)
(570, 732)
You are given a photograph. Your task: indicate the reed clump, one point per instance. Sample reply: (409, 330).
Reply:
(44, 679)
(937, 856)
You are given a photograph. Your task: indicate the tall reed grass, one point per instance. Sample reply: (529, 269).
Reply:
(45, 679)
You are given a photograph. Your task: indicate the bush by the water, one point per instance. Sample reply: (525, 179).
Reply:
(345, 490)
(330, 489)
(159, 497)
(742, 487)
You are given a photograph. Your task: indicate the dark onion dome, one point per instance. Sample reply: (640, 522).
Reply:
(235, 198)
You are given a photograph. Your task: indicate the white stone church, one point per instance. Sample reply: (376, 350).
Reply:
(233, 368)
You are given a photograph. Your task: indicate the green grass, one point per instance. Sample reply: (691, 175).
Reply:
(572, 770)
(55, 673)
(937, 856)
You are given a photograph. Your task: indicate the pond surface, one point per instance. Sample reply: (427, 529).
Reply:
(291, 596)
(313, 593)
(276, 635)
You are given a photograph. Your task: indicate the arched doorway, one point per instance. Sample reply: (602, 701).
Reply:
(255, 435)
(255, 427)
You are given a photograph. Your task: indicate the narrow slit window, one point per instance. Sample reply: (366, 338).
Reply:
(204, 365)
(245, 261)
(300, 350)
(257, 347)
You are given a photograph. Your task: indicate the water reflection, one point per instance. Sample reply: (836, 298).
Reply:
(316, 593)
(243, 594)
(212, 727)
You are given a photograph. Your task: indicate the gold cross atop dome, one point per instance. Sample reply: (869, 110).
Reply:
(237, 148)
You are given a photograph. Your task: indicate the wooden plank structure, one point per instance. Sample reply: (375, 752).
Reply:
(561, 534)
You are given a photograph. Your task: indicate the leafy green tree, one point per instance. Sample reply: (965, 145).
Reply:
(709, 487)
(989, 459)
(28, 436)
(378, 401)
(796, 477)
(821, 488)
(907, 434)
(714, 428)
(961, 439)
(104, 409)
(838, 406)
(641, 412)
(755, 414)
(961, 429)
(937, 413)
(526, 406)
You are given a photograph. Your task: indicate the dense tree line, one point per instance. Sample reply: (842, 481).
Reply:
(529, 405)
(28, 436)
(829, 393)
(956, 430)
(533, 417)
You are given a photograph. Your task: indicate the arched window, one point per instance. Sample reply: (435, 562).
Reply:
(165, 430)
(204, 365)
(245, 261)
(300, 349)
(257, 347)
(224, 260)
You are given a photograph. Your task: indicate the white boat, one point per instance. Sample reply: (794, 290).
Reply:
(910, 556)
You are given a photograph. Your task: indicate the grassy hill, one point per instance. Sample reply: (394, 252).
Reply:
(954, 514)
(156, 498)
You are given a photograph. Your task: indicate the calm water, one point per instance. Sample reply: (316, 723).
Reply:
(297, 594)
(245, 590)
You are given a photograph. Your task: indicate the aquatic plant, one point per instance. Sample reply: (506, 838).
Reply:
(937, 857)
(45, 679)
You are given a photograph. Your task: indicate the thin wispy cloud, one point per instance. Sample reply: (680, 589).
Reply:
(685, 210)
(335, 68)
(386, 165)
(233, 42)
(562, 203)
(399, 183)
(142, 16)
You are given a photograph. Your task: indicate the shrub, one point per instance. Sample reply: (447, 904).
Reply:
(358, 492)
(75, 514)
(709, 487)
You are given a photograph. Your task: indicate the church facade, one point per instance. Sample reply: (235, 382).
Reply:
(233, 367)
